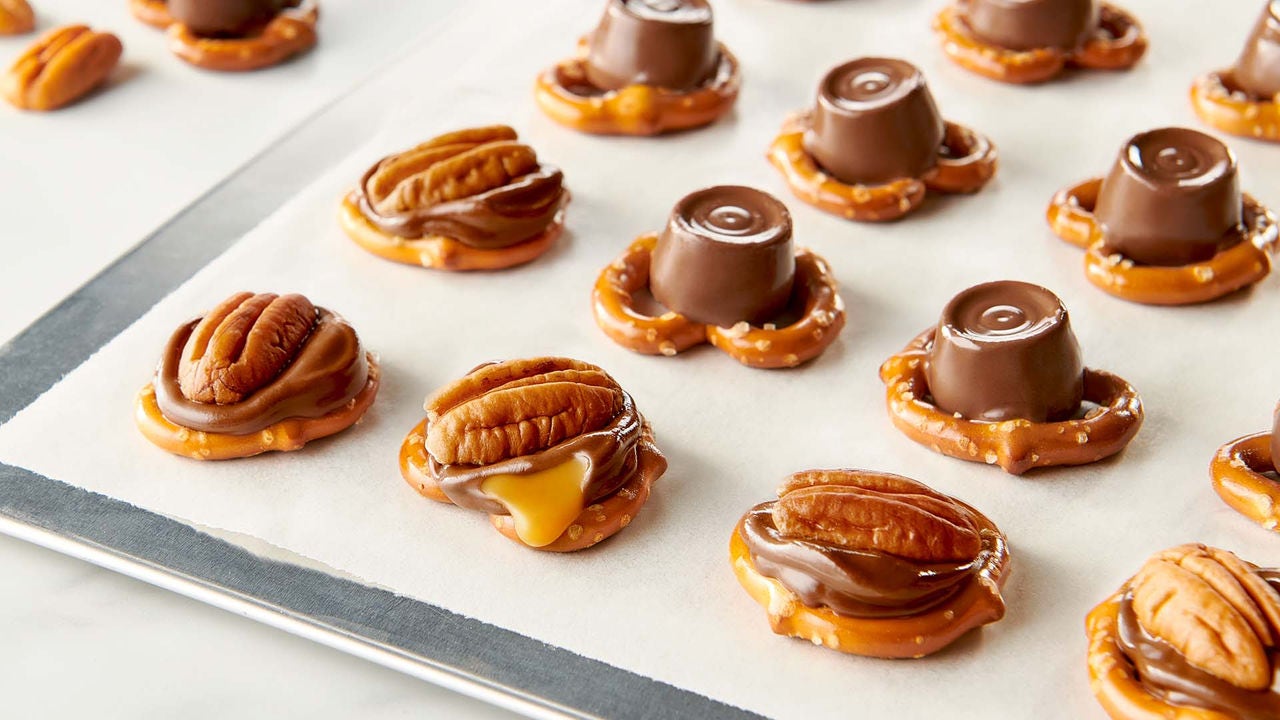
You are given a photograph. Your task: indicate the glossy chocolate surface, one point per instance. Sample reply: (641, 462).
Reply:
(875, 121)
(1275, 440)
(665, 43)
(1165, 673)
(498, 218)
(1172, 198)
(1031, 24)
(1005, 350)
(224, 18)
(726, 256)
(611, 454)
(853, 583)
(329, 370)
(1257, 71)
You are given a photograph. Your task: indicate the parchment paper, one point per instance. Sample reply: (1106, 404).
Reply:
(659, 598)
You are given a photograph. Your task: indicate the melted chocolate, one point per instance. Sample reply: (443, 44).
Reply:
(498, 218)
(1166, 674)
(853, 583)
(329, 370)
(1005, 350)
(1257, 72)
(225, 18)
(726, 256)
(664, 43)
(875, 121)
(611, 454)
(1172, 198)
(1031, 24)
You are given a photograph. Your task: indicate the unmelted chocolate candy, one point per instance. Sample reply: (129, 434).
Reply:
(329, 370)
(1172, 198)
(224, 18)
(1031, 24)
(726, 256)
(664, 43)
(1165, 672)
(1005, 350)
(1257, 72)
(875, 121)
(853, 583)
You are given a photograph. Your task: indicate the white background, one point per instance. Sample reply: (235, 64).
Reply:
(732, 433)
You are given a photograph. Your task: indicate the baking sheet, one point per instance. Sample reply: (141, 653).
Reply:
(659, 599)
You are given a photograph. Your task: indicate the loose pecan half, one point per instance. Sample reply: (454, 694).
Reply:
(242, 345)
(16, 17)
(61, 67)
(1212, 607)
(518, 407)
(877, 512)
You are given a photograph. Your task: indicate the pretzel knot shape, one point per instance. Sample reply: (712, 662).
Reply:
(1015, 445)
(566, 96)
(815, 295)
(1116, 44)
(1235, 112)
(290, 32)
(1071, 218)
(1238, 471)
(965, 164)
(152, 12)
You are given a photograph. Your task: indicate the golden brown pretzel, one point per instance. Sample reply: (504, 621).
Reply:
(970, 161)
(1237, 471)
(1117, 44)
(596, 522)
(1015, 445)
(437, 251)
(635, 109)
(1233, 112)
(613, 304)
(286, 435)
(152, 12)
(1071, 218)
(289, 33)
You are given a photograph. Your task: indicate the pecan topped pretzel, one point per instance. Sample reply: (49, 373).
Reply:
(1241, 100)
(875, 143)
(1169, 225)
(1195, 634)
(1031, 41)
(473, 199)
(1244, 475)
(257, 373)
(724, 271)
(233, 35)
(1000, 380)
(552, 449)
(649, 67)
(870, 563)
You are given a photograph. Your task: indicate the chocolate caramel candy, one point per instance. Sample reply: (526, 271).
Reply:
(1257, 72)
(664, 43)
(1005, 350)
(1031, 24)
(726, 256)
(216, 18)
(1172, 198)
(875, 121)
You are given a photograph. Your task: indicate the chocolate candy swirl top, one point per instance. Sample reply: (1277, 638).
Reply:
(256, 360)
(1032, 24)
(726, 256)
(225, 18)
(1172, 198)
(664, 43)
(1005, 350)
(1257, 71)
(875, 121)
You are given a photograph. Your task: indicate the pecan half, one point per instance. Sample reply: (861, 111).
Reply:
(450, 167)
(242, 345)
(1212, 607)
(518, 407)
(16, 17)
(877, 512)
(61, 67)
